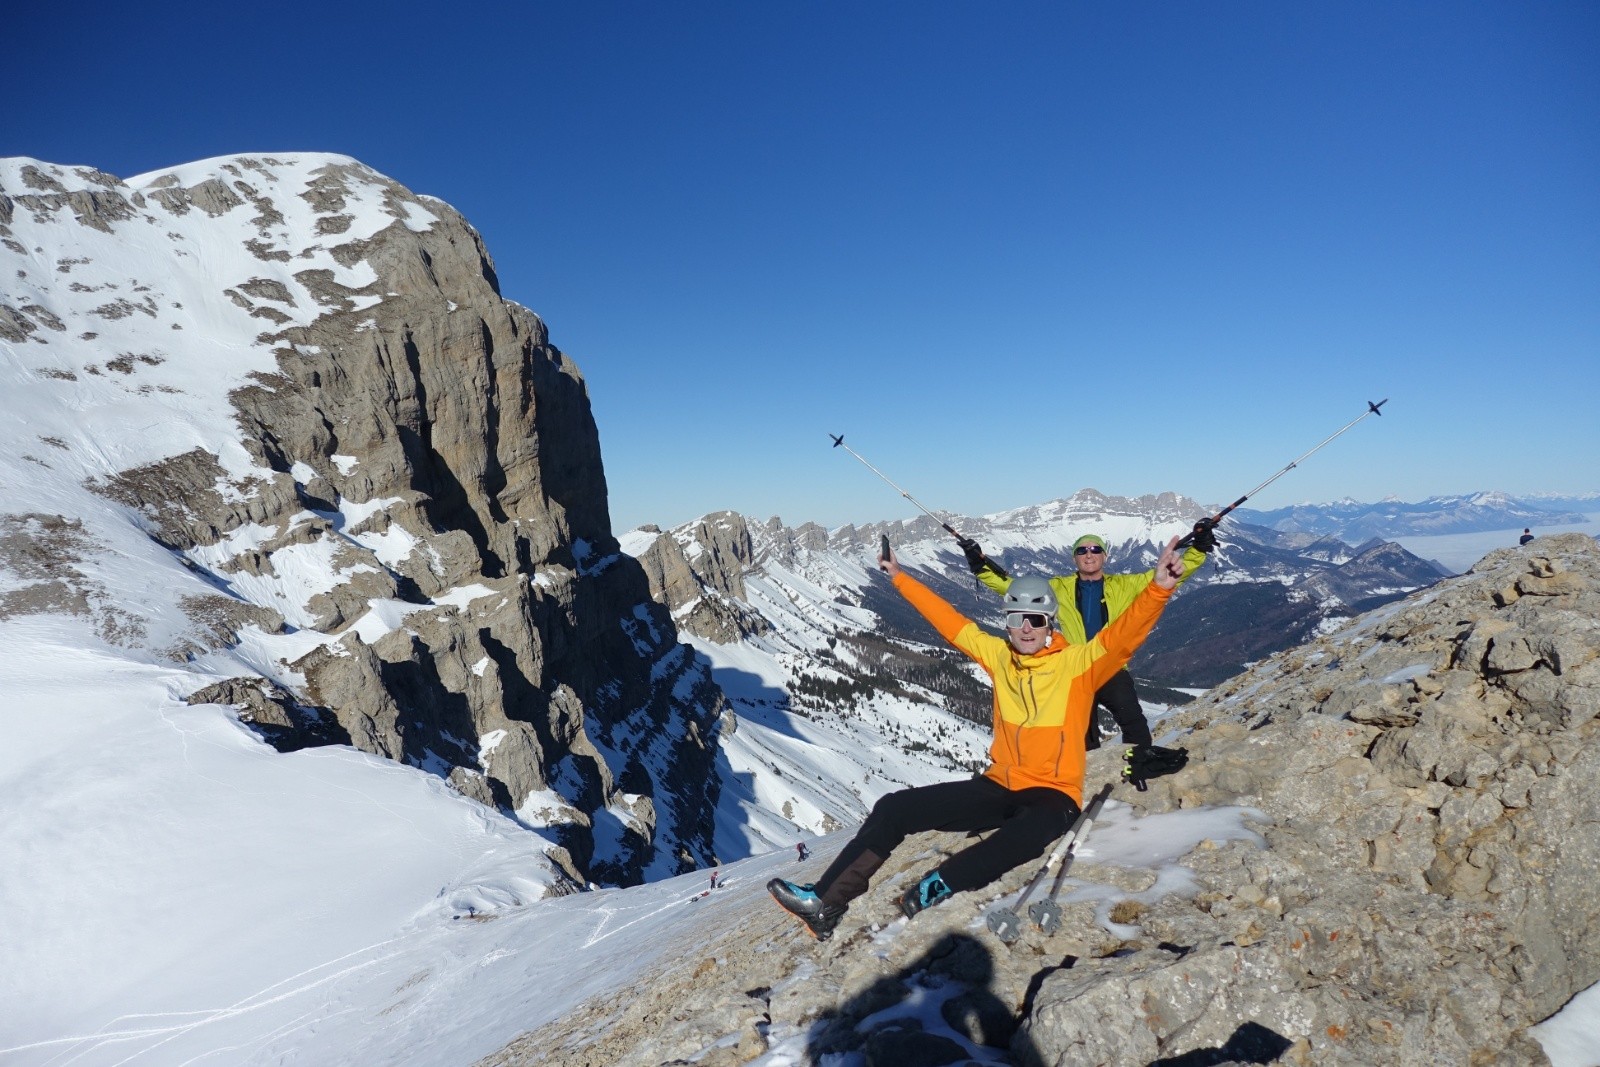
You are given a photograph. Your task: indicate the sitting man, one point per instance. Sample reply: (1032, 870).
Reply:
(1090, 599)
(1033, 788)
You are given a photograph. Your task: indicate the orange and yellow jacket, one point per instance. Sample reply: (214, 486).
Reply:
(1041, 701)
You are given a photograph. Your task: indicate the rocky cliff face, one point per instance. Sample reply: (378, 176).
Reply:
(697, 573)
(1423, 888)
(403, 443)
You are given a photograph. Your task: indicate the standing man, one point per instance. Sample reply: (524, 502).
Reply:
(1032, 790)
(1091, 599)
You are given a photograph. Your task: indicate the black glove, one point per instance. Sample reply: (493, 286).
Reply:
(975, 557)
(1143, 762)
(1205, 535)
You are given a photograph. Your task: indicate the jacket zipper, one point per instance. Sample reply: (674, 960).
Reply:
(1028, 716)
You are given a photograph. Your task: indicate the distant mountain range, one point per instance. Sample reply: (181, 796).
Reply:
(1262, 591)
(1355, 522)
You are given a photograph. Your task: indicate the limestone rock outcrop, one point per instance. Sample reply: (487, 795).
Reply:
(412, 472)
(697, 571)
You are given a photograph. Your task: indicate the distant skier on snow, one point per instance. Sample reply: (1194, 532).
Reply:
(803, 852)
(1033, 788)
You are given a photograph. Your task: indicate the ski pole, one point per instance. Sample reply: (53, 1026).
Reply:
(838, 442)
(1046, 914)
(1372, 409)
(1006, 923)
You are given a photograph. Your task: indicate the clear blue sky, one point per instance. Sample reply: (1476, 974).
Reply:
(1010, 250)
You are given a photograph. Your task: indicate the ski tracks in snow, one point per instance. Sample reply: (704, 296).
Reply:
(153, 1031)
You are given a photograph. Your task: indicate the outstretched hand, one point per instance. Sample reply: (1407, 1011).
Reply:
(888, 564)
(1169, 568)
(974, 553)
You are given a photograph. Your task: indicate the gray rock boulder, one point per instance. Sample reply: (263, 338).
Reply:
(1427, 889)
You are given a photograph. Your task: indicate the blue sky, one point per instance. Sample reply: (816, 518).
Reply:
(1009, 250)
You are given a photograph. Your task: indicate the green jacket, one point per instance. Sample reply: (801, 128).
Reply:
(1118, 591)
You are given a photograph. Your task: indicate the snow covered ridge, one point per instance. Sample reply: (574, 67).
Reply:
(183, 268)
(269, 418)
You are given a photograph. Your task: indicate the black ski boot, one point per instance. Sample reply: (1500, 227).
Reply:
(925, 894)
(802, 902)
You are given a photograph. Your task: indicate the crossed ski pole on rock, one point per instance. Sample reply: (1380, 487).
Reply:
(1006, 923)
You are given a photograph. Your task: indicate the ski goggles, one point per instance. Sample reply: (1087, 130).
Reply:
(1015, 619)
(1083, 550)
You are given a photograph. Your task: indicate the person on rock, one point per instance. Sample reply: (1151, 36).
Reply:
(1089, 599)
(1032, 790)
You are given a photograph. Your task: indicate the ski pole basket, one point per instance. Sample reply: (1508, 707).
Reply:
(1006, 923)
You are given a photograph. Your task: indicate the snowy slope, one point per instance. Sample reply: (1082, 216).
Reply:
(165, 870)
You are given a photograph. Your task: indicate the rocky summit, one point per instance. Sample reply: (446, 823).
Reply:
(292, 388)
(1415, 879)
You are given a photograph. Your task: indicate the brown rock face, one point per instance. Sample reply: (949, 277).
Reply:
(422, 434)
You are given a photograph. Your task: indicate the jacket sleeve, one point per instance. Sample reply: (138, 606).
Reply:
(1121, 589)
(1122, 638)
(1192, 558)
(953, 626)
(991, 579)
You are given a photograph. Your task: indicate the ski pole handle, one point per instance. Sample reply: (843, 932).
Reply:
(1188, 538)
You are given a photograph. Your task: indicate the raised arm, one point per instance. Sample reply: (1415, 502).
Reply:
(947, 620)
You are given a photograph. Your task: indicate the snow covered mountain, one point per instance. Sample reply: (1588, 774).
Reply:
(1354, 521)
(271, 426)
(318, 636)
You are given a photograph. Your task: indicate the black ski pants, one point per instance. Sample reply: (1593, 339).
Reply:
(1119, 697)
(1025, 823)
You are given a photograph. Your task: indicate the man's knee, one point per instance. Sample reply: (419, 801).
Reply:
(1045, 817)
(887, 823)
(890, 807)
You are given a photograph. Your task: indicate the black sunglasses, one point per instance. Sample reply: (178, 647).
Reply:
(1081, 549)
(1015, 619)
